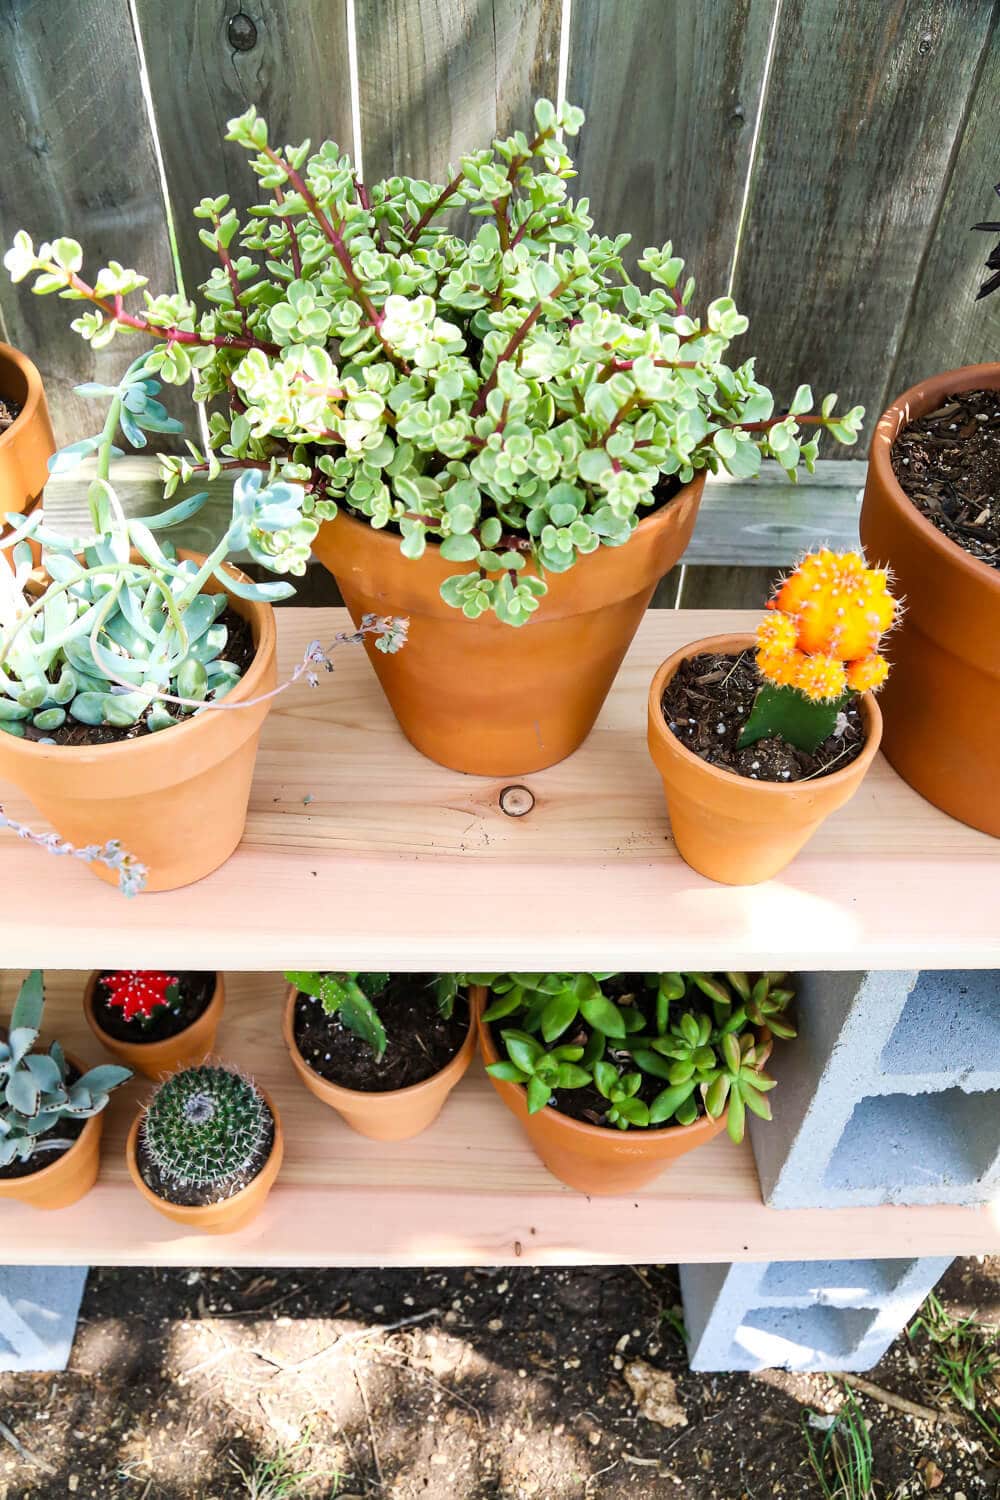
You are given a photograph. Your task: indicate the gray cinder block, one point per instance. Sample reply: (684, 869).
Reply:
(801, 1315)
(38, 1312)
(889, 1094)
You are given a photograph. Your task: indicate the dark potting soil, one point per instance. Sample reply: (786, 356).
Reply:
(239, 649)
(10, 410)
(194, 995)
(421, 1040)
(63, 1130)
(708, 701)
(195, 1196)
(588, 1104)
(948, 464)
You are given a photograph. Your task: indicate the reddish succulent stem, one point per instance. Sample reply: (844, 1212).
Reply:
(517, 337)
(279, 198)
(173, 335)
(230, 270)
(434, 209)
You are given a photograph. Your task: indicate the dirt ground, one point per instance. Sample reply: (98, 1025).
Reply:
(459, 1385)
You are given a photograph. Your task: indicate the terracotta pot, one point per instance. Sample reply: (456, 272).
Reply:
(726, 826)
(596, 1159)
(231, 1213)
(70, 1176)
(395, 1115)
(158, 1059)
(28, 444)
(177, 799)
(941, 703)
(488, 698)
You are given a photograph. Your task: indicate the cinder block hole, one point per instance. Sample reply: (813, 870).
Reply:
(834, 1282)
(896, 1141)
(798, 1337)
(951, 1020)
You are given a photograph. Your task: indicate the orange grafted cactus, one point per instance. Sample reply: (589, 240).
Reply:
(827, 620)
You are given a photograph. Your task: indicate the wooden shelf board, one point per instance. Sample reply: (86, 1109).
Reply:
(469, 1191)
(359, 853)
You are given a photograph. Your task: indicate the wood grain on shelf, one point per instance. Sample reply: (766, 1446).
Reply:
(359, 853)
(470, 1191)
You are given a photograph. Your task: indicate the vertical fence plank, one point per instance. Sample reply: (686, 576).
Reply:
(207, 61)
(671, 89)
(77, 159)
(946, 325)
(439, 78)
(863, 109)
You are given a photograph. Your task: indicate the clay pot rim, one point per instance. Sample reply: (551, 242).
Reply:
(146, 745)
(346, 1097)
(197, 1210)
(914, 403)
(91, 1126)
(775, 790)
(112, 1043)
(704, 1126)
(11, 356)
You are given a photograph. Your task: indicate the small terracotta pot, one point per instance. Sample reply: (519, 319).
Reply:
(596, 1159)
(941, 703)
(177, 799)
(726, 826)
(493, 699)
(397, 1114)
(214, 1218)
(28, 444)
(70, 1176)
(159, 1059)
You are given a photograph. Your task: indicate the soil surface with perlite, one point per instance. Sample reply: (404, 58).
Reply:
(948, 464)
(239, 649)
(421, 1041)
(63, 1130)
(10, 410)
(707, 702)
(193, 1195)
(194, 995)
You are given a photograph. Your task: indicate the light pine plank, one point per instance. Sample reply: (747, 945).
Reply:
(671, 89)
(77, 160)
(863, 110)
(439, 78)
(295, 72)
(362, 854)
(469, 1191)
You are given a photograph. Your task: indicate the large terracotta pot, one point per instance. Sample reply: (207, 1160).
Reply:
(493, 699)
(69, 1176)
(596, 1159)
(941, 703)
(28, 444)
(159, 1059)
(726, 826)
(214, 1218)
(397, 1114)
(177, 799)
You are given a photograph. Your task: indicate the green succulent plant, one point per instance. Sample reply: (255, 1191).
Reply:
(37, 1091)
(660, 1048)
(513, 396)
(207, 1128)
(353, 996)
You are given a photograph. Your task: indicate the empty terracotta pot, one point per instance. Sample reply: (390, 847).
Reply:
(68, 1177)
(494, 699)
(395, 1115)
(27, 445)
(728, 827)
(214, 1218)
(941, 704)
(158, 1059)
(177, 799)
(597, 1159)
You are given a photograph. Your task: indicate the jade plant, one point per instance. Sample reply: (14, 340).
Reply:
(141, 996)
(207, 1128)
(38, 1090)
(647, 1050)
(352, 997)
(818, 647)
(511, 395)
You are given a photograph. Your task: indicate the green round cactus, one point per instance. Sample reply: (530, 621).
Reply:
(208, 1128)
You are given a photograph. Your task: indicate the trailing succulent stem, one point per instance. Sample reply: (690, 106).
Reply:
(207, 1128)
(513, 397)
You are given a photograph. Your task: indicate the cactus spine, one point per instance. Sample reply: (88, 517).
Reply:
(207, 1128)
